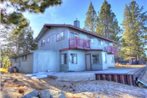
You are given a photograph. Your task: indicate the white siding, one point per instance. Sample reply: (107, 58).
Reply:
(107, 60)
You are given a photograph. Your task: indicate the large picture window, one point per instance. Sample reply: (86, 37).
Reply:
(74, 58)
(95, 59)
(64, 58)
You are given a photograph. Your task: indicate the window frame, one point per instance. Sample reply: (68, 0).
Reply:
(74, 34)
(42, 43)
(74, 61)
(105, 57)
(61, 37)
(48, 40)
(64, 58)
(97, 58)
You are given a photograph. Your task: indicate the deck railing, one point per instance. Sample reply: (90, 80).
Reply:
(79, 43)
(111, 49)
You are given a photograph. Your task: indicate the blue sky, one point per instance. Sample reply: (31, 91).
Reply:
(69, 10)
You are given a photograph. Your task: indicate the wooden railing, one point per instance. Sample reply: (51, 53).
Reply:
(111, 49)
(79, 43)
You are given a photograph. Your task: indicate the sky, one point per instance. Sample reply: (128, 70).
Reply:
(69, 10)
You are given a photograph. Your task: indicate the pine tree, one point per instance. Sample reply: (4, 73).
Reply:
(33, 6)
(23, 41)
(135, 29)
(91, 17)
(15, 18)
(107, 24)
(28, 41)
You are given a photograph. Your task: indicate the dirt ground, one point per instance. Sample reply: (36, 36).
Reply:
(17, 85)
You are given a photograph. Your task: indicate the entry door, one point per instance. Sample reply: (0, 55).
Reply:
(88, 62)
(64, 65)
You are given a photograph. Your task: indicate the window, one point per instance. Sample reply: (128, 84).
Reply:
(92, 40)
(101, 42)
(105, 57)
(15, 60)
(74, 34)
(48, 40)
(60, 36)
(64, 58)
(112, 59)
(106, 43)
(42, 42)
(24, 58)
(73, 58)
(95, 59)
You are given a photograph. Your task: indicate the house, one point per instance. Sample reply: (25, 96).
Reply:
(63, 47)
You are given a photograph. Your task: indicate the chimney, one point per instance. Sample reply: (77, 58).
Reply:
(77, 23)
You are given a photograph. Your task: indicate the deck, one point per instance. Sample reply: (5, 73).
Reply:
(120, 75)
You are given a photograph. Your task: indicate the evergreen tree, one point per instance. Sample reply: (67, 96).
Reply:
(107, 24)
(91, 17)
(135, 30)
(23, 41)
(28, 41)
(34, 6)
(13, 23)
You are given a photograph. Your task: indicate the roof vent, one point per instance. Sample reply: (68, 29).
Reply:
(77, 23)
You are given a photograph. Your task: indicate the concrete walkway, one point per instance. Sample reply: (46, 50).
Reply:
(82, 76)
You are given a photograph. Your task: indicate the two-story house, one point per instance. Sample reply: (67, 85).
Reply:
(63, 47)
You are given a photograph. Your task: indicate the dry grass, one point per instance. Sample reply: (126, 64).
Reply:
(16, 85)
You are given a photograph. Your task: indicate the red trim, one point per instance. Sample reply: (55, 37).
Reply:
(79, 43)
(80, 49)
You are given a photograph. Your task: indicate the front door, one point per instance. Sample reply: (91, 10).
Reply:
(64, 63)
(88, 62)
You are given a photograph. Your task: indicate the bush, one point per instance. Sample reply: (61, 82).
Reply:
(3, 70)
(6, 63)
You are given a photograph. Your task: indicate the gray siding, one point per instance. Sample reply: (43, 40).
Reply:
(53, 44)
(24, 66)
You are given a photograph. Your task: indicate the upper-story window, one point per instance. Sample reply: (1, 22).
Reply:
(99, 41)
(42, 42)
(73, 34)
(102, 42)
(92, 40)
(60, 36)
(107, 43)
(48, 40)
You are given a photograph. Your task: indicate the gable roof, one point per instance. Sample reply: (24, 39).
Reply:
(47, 26)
